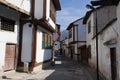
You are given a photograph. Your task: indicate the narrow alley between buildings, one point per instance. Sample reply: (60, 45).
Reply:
(64, 69)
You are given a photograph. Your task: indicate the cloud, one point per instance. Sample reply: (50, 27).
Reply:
(68, 15)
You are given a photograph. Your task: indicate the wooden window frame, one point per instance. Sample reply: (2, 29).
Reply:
(46, 41)
(89, 27)
(70, 33)
(43, 42)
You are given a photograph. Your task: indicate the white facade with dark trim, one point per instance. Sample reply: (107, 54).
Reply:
(108, 41)
(9, 35)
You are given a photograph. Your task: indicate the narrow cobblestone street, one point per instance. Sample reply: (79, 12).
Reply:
(64, 69)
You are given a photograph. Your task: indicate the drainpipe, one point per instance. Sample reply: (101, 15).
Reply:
(97, 60)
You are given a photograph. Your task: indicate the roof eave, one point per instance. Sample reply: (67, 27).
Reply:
(87, 16)
(104, 2)
(57, 4)
(14, 7)
(69, 27)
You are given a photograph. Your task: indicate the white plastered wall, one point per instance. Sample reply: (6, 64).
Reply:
(41, 54)
(27, 43)
(23, 4)
(7, 36)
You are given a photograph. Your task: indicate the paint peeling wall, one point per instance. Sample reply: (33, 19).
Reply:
(109, 34)
(91, 42)
(104, 50)
(104, 16)
(7, 36)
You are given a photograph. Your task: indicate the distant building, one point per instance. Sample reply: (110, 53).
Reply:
(64, 43)
(77, 40)
(56, 40)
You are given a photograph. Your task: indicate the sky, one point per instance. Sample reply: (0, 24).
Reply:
(71, 11)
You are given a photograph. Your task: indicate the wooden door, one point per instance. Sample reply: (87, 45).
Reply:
(72, 50)
(84, 54)
(113, 63)
(10, 56)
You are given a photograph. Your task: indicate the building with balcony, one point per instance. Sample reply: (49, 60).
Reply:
(77, 40)
(36, 35)
(26, 29)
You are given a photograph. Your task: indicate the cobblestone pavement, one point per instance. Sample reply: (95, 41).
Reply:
(64, 69)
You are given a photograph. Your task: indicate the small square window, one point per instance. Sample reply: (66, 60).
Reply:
(7, 24)
(89, 26)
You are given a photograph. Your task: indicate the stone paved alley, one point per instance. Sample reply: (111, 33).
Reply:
(64, 69)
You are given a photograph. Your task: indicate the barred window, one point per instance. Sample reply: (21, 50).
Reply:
(7, 24)
(46, 41)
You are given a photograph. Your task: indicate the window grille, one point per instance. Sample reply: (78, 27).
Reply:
(7, 24)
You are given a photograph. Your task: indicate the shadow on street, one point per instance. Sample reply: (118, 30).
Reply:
(67, 69)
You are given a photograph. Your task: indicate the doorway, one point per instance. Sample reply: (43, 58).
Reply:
(113, 63)
(10, 56)
(84, 56)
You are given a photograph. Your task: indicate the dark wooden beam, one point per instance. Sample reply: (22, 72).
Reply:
(104, 2)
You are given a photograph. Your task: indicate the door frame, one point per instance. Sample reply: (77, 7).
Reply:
(15, 57)
(113, 63)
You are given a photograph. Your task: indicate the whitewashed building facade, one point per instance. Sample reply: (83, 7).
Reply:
(108, 40)
(77, 39)
(26, 28)
(36, 35)
(10, 14)
(64, 43)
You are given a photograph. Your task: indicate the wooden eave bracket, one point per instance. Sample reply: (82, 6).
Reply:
(46, 25)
